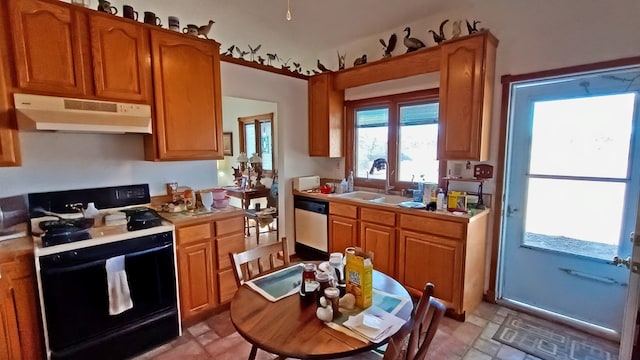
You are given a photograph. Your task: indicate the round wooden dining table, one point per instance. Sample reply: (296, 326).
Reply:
(289, 327)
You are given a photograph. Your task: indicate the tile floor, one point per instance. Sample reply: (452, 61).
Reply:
(216, 338)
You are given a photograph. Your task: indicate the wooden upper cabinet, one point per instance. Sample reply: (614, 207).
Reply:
(121, 59)
(326, 113)
(466, 95)
(49, 47)
(9, 140)
(188, 117)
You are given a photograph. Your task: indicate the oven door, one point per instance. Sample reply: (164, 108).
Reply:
(75, 295)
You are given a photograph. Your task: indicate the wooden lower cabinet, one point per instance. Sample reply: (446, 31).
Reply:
(20, 326)
(196, 278)
(381, 241)
(205, 275)
(449, 254)
(378, 235)
(429, 258)
(343, 233)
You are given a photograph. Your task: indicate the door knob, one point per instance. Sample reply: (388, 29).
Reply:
(618, 261)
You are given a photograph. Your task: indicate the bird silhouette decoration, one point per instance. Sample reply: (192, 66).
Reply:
(322, 67)
(253, 51)
(241, 53)
(457, 30)
(389, 46)
(272, 57)
(439, 37)
(341, 60)
(411, 43)
(261, 60)
(296, 67)
(360, 61)
(472, 28)
(204, 29)
(230, 50)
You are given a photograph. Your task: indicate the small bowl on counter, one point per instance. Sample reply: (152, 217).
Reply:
(221, 203)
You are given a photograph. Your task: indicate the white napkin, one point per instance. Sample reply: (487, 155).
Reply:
(118, 286)
(374, 324)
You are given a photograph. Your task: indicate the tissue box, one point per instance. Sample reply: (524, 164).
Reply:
(359, 277)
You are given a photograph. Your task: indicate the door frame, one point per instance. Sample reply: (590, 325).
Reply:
(498, 210)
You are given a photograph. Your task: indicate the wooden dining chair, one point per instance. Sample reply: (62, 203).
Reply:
(254, 262)
(412, 341)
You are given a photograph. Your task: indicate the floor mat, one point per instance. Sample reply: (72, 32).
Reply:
(541, 340)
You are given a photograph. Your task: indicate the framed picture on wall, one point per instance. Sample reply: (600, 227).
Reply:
(227, 143)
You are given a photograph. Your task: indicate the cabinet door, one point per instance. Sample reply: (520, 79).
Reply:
(9, 337)
(227, 285)
(326, 113)
(121, 59)
(426, 258)
(196, 278)
(381, 240)
(464, 109)
(49, 47)
(25, 296)
(186, 73)
(343, 233)
(9, 144)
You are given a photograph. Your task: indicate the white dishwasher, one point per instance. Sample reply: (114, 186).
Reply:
(312, 227)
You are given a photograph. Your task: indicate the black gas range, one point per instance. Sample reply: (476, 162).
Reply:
(80, 261)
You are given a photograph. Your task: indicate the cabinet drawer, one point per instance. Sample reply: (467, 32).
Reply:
(193, 233)
(226, 245)
(425, 224)
(345, 210)
(230, 226)
(227, 285)
(378, 216)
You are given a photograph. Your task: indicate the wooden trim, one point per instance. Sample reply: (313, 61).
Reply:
(630, 61)
(506, 81)
(255, 65)
(415, 63)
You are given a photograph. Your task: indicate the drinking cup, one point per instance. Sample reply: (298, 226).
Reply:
(152, 19)
(207, 199)
(191, 29)
(174, 23)
(105, 6)
(129, 13)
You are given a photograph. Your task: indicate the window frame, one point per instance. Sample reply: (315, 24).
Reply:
(393, 102)
(257, 120)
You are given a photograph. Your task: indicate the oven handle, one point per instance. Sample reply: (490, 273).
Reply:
(61, 268)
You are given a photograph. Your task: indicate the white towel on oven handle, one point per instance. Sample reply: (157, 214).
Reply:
(117, 286)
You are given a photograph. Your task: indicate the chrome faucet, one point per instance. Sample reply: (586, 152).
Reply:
(382, 164)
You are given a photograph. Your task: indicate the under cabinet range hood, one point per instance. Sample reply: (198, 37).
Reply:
(49, 113)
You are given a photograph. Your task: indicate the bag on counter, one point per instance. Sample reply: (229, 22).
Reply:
(359, 277)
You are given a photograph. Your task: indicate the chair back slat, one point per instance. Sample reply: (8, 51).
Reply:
(412, 341)
(247, 262)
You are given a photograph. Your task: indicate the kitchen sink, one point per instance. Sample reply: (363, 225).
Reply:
(373, 197)
(361, 195)
(390, 199)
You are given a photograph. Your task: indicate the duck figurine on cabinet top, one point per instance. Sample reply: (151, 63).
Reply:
(361, 60)
(411, 43)
(204, 29)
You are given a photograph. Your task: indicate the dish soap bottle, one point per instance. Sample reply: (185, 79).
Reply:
(92, 213)
(344, 187)
(350, 182)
